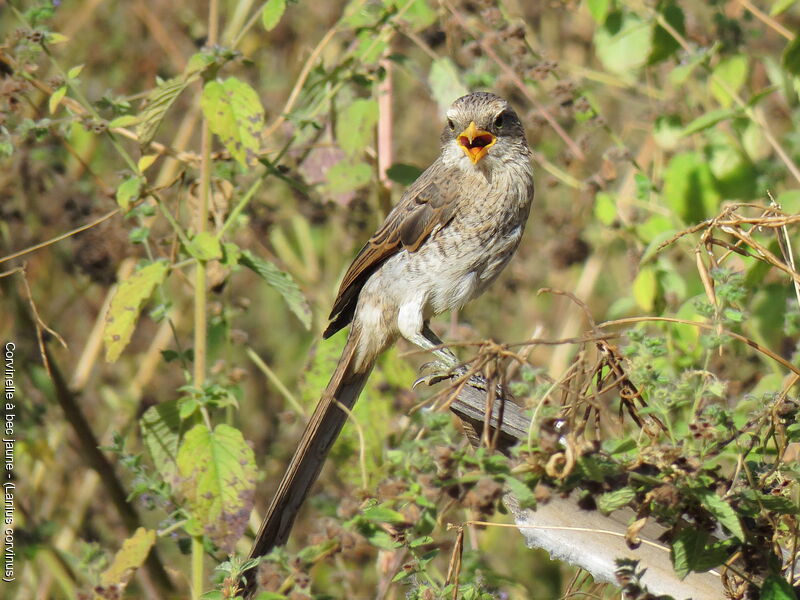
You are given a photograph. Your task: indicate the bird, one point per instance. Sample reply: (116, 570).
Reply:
(451, 234)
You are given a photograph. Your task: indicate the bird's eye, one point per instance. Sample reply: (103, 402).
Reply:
(451, 125)
(498, 122)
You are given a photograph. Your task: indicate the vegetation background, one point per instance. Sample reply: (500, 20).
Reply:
(184, 183)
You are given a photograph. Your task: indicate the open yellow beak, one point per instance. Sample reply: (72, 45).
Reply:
(475, 142)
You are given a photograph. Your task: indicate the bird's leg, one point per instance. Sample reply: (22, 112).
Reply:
(447, 367)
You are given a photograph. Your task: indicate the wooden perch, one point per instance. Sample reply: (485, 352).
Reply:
(584, 538)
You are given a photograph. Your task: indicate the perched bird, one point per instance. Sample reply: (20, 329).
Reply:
(449, 237)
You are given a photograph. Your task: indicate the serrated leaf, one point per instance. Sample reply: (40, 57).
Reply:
(160, 426)
(777, 588)
(791, 56)
(722, 511)
(56, 98)
(130, 557)
(218, 472)
(445, 83)
(235, 115)
(355, 127)
(156, 106)
(74, 72)
(611, 501)
(686, 548)
(205, 246)
(128, 191)
(282, 282)
(126, 305)
(271, 13)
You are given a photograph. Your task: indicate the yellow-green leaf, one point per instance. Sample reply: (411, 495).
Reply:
(56, 98)
(217, 470)
(74, 72)
(130, 557)
(158, 102)
(54, 38)
(235, 115)
(728, 77)
(124, 121)
(644, 288)
(356, 125)
(126, 305)
(205, 246)
(146, 161)
(271, 13)
(128, 191)
(160, 425)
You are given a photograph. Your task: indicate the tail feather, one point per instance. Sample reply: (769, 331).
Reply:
(321, 432)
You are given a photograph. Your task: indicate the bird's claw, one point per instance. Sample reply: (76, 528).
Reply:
(441, 372)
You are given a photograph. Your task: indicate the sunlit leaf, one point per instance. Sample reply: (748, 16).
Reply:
(445, 83)
(205, 246)
(728, 77)
(218, 472)
(599, 9)
(645, 287)
(723, 512)
(271, 13)
(156, 106)
(130, 557)
(126, 305)
(623, 43)
(355, 127)
(56, 98)
(235, 115)
(129, 190)
(611, 501)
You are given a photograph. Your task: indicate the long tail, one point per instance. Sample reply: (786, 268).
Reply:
(321, 432)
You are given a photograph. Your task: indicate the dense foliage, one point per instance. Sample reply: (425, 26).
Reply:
(182, 185)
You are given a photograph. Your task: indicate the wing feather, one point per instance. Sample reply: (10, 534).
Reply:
(425, 208)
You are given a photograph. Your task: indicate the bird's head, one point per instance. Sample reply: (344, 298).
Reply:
(480, 126)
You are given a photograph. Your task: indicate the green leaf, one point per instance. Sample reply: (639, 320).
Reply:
(129, 190)
(689, 188)
(780, 6)
(126, 305)
(445, 83)
(664, 44)
(381, 514)
(345, 176)
(160, 427)
(728, 77)
(692, 552)
(156, 106)
(130, 557)
(56, 98)
(218, 473)
(777, 588)
(280, 281)
(403, 174)
(623, 43)
(74, 72)
(645, 288)
(205, 246)
(417, 14)
(605, 209)
(599, 9)
(124, 121)
(722, 511)
(791, 56)
(525, 497)
(355, 127)
(611, 501)
(707, 120)
(235, 115)
(272, 12)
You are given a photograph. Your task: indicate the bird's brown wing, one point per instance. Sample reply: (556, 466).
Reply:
(426, 207)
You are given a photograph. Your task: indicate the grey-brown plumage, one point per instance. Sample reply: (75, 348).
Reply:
(448, 238)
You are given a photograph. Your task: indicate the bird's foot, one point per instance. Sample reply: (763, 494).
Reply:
(440, 371)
